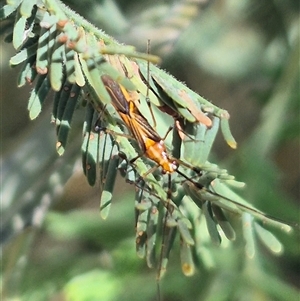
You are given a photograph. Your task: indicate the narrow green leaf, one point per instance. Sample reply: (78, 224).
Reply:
(105, 203)
(248, 235)
(211, 224)
(49, 18)
(128, 171)
(185, 113)
(19, 31)
(109, 182)
(65, 123)
(155, 91)
(223, 222)
(70, 31)
(128, 51)
(194, 142)
(55, 108)
(268, 239)
(176, 145)
(89, 114)
(94, 79)
(171, 221)
(80, 81)
(141, 229)
(26, 7)
(52, 41)
(89, 154)
(107, 149)
(186, 257)
(143, 204)
(235, 184)
(226, 131)
(64, 95)
(70, 65)
(14, 3)
(203, 243)
(207, 143)
(42, 52)
(166, 82)
(38, 96)
(7, 10)
(184, 232)
(57, 66)
(23, 55)
(151, 234)
(27, 72)
(169, 235)
(90, 159)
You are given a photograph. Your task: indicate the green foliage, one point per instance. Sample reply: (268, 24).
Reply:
(62, 54)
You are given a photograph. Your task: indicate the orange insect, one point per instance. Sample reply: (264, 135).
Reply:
(150, 143)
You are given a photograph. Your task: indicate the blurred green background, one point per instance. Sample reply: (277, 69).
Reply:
(241, 55)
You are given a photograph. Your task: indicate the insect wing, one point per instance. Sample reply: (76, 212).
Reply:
(141, 124)
(117, 93)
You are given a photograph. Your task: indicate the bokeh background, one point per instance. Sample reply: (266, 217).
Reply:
(241, 55)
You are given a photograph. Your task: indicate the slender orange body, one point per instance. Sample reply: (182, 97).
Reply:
(149, 141)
